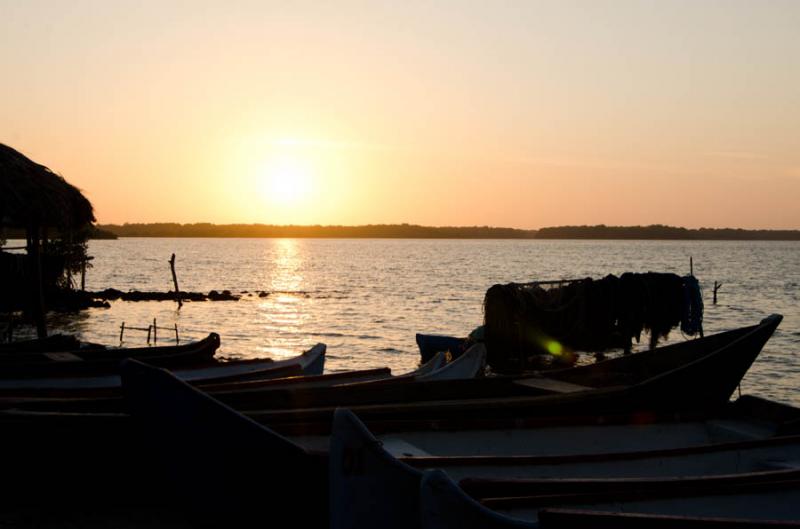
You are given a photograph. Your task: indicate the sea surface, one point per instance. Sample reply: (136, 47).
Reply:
(367, 298)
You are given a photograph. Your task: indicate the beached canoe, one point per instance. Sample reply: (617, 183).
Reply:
(310, 362)
(706, 370)
(105, 402)
(384, 483)
(576, 450)
(466, 367)
(195, 434)
(290, 391)
(586, 519)
(736, 503)
(233, 449)
(82, 362)
(693, 377)
(690, 376)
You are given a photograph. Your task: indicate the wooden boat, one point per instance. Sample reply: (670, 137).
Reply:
(310, 362)
(706, 371)
(367, 484)
(433, 363)
(784, 470)
(201, 429)
(443, 505)
(81, 362)
(467, 366)
(376, 466)
(436, 369)
(305, 382)
(294, 381)
(619, 446)
(118, 436)
(736, 503)
(585, 519)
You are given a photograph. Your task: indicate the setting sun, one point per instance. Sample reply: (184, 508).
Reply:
(286, 180)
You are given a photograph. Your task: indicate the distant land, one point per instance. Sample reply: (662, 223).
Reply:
(412, 231)
(661, 232)
(370, 231)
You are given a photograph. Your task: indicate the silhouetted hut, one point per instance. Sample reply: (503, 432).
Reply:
(35, 199)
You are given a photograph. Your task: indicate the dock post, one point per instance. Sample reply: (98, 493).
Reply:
(175, 281)
(121, 332)
(155, 332)
(717, 286)
(177, 340)
(149, 327)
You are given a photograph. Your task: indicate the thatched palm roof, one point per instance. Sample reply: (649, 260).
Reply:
(33, 195)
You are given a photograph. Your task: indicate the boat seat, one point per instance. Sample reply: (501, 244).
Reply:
(722, 430)
(402, 448)
(63, 357)
(780, 464)
(552, 385)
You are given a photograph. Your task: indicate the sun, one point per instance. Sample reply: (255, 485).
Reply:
(286, 180)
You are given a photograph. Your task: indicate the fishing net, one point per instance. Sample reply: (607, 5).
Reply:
(529, 325)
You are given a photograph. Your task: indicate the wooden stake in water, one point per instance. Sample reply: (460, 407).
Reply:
(175, 281)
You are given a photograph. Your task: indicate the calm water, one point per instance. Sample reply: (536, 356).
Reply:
(366, 298)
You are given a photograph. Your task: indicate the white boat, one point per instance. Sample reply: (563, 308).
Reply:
(468, 365)
(310, 362)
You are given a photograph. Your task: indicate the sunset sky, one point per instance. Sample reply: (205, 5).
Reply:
(521, 114)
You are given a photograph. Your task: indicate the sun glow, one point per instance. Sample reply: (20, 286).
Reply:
(286, 180)
(293, 181)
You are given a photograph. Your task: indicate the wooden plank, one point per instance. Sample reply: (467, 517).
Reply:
(64, 357)
(550, 384)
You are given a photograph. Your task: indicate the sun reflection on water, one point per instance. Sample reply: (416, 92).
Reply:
(283, 312)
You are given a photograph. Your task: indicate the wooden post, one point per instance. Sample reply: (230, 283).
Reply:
(155, 332)
(691, 266)
(121, 332)
(717, 286)
(175, 281)
(149, 328)
(177, 340)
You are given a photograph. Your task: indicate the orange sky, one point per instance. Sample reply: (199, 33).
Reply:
(522, 114)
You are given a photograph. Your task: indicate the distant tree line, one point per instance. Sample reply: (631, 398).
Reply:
(412, 231)
(376, 231)
(661, 232)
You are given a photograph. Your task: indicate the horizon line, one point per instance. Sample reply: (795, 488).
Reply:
(450, 226)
